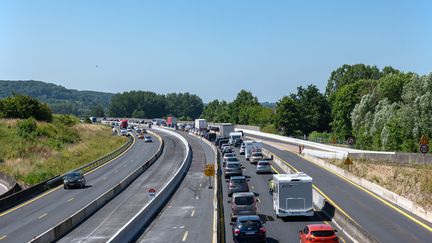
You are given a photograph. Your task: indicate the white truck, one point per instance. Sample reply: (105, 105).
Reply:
(201, 124)
(233, 136)
(292, 195)
(252, 146)
(225, 129)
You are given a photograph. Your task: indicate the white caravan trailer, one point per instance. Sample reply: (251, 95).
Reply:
(292, 195)
(252, 146)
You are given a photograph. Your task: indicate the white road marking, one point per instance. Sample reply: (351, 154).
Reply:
(43, 215)
(70, 199)
(185, 235)
(193, 213)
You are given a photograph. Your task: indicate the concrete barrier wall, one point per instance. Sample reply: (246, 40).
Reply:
(144, 217)
(71, 222)
(345, 225)
(399, 158)
(248, 127)
(10, 183)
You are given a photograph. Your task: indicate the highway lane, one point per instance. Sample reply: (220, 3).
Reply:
(188, 217)
(102, 225)
(278, 229)
(22, 223)
(379, 219)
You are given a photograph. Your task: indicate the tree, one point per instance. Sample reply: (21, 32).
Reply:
(349, 74)
(97, 111)
(23, 107)
(391, 86)
(287, 116)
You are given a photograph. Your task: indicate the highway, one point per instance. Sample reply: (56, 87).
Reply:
(278, 229)
(188, 217)
(102, 225)
(378, 218)
(30, 219)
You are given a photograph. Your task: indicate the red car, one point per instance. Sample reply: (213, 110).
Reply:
(318, 233)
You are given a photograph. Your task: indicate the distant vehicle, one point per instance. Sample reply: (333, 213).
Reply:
(233, 169)
(225, 129)
(292, 195)
(228, 155)
(249, 228)
(233, 159)
(263, 167)
(172, 121)
(123, 132)
(252, 146)
(318, 233)
(138, 130)
(233, 136)
(74, 179)
(227, 149)
(148, 139)
(123, 124)
(211, 136)
(255, 157)
(243, 203)
(237, 184)
(129, 129)
(201, 124)
(141, 136)
(238, 142)
(93, 119)
(242, 149)
(222, 142)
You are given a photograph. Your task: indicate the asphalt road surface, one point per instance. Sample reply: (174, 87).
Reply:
(30, 219)
(102, 225)
(188, 217)
(376, 217)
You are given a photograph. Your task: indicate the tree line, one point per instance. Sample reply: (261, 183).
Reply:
(381, 109)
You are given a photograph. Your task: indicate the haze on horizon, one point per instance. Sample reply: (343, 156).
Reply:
(212, 49)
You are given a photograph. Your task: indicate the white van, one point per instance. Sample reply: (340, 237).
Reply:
(292, 195)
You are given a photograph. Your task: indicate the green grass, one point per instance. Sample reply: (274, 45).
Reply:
(53, 149)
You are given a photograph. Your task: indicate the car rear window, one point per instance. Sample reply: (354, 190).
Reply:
(322, 233)
(263, 163)
(232, 159)
(238, 181)
(229, 155)
(253, 224)
(233, 166)
(256, 154)
(244, 200)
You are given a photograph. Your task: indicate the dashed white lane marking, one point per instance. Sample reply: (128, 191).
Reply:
(71, 199)
(185, 235)
(43, 215)
(193, 213)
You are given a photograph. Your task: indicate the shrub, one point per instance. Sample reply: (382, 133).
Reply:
(27, 128)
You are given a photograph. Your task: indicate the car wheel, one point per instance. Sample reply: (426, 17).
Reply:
(65, 187)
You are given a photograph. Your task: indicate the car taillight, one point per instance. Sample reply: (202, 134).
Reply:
(263, 230)
(236, 232)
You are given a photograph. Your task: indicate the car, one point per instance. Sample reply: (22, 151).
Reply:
(243, 203)
(230, 159)
(222, 142)
(147, 139)
(264, 167)
(129, 129)
(237, 184)
(248, 228)
(138, 130)
(141, 136)
(74, 179)
(228, 155)
(318, 233)
(227, 149)
(242, 149)
(255, 157)
(238, 142)
(123, 132)
(232, 169)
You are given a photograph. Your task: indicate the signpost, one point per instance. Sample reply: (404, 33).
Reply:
(350, 141)
(424, 147)
(209, 171)
(152, 192)
(348, 162)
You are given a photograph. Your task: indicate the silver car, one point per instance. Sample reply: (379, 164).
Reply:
(255, 157)
(242, 149)
(264, 167)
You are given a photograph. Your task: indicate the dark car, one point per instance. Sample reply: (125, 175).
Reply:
(222, 142)
(248, 228)
(211, 136)
(237, 184)
(238, 142)
(74, 179)
(227, 149)
(233, 169)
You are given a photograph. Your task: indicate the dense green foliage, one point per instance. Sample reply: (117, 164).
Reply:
(23, 107)
(144, 104)
(58, 98)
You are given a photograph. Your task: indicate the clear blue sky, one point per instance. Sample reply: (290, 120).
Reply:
(210, 48)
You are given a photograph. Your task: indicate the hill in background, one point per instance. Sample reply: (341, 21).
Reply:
(60, 99)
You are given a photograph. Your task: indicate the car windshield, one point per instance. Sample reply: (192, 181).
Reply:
(250, 224)
(72, 175)
(244, 200)
(322, 233)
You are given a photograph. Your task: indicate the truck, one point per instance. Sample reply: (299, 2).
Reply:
(201, 124)
(292, 195)
(123, 124)
(225, 129)
(172, 121)
(234, 137)
(252, 146)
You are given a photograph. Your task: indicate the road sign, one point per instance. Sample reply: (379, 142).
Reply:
(424, 140)
(209, 170)
(348, 161)
(152, 192)
(424, 148)
(350, 141)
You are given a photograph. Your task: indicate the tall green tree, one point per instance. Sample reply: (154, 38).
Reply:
(287, 116)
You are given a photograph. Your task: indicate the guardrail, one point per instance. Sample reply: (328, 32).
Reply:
(345, 224)
(144, 217)
(71, 222)
(31, 192)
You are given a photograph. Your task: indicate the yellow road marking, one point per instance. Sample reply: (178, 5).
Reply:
(2, 237)
(71, 199)
(43, 215)
(380, 199)
(56, 188)
(185, 235)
